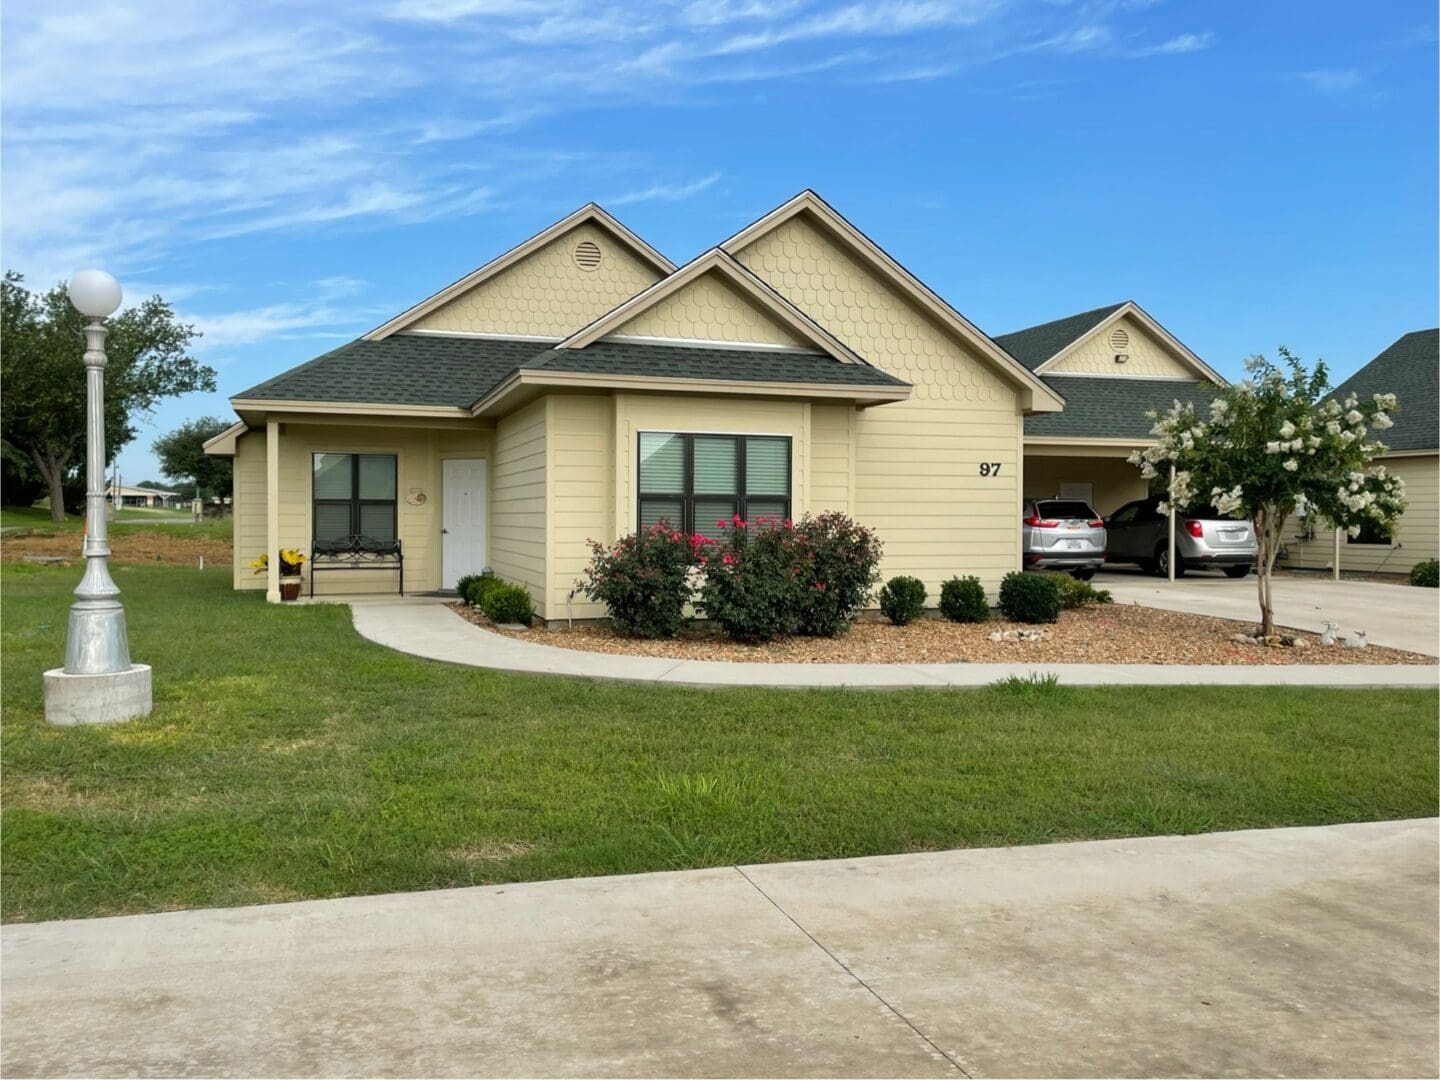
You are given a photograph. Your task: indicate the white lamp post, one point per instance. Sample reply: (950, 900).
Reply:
(98, 684)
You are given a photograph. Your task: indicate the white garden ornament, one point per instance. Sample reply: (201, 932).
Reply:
(1275, 445)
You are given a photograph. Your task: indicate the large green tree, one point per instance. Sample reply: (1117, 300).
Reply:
(43, 375)
(182, 457)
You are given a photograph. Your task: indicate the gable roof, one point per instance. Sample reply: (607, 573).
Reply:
(1409, 369)
(589, 213)
(1114, 407)
(1035, 345)
(454, 374)
(884, 264)
(722, 263)
(1061, 336)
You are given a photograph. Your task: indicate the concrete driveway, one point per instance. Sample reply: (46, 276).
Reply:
(1302, 952)
(1400, 616)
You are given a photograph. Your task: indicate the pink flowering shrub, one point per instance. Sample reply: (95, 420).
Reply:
(769, 578)
(840, 567)
(644, 581)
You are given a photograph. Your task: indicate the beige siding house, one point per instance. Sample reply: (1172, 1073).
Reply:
(581, 385)
(1409, 369)
(1112, 366)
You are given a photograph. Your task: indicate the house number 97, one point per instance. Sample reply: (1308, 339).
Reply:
(989, 468)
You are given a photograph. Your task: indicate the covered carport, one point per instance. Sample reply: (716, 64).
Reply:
(1098, 474)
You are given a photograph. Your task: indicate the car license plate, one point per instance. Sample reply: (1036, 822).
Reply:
(1231, 534)
(1072, 545)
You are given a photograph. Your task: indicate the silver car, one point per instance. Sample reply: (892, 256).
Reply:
(1139, 533)
(1063, 534)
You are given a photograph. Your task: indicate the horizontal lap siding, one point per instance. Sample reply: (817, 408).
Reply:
(581, 437)
(1417, 534)
(419, 495)
(831, 461)
(916, 474)
(1115, 480)
(518, 499)
(250, 508)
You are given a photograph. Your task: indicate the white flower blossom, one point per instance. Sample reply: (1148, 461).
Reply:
(1380, 421)
(1354, 417)
(1287, 429)
(1290, 465)
(1272, 448)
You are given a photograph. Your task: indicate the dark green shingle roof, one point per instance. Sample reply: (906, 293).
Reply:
(1036, 344)
(1110, 407)
(425, 369)
(1409, 369)
(696, 362)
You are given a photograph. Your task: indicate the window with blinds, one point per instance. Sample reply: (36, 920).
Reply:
(694, 481)
(353, 495)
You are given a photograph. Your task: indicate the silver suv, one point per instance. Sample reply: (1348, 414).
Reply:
(1063, 534)
(1139, 533)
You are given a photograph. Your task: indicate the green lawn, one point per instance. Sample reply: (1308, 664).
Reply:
(131, 519)
(289, 758)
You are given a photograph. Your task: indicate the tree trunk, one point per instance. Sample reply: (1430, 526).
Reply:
(1268, 523)
(52, 471)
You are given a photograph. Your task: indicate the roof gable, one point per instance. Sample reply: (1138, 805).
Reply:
(712, 309)
(1064, 338)
(759, 297)
(882, 264)
(508, 295)
(1409, 369)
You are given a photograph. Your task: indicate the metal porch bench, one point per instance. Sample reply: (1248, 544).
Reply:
(357, 553)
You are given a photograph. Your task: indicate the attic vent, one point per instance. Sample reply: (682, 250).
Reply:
(1119, 340)
(587, 255)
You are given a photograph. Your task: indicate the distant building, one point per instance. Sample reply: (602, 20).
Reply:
(138, 496)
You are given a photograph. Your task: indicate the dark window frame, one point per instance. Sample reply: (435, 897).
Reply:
(1372, 534)
(355, 502)
(687, 498)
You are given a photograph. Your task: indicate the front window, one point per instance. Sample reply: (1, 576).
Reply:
(354, 495)
(1372, 532)
(693, 481)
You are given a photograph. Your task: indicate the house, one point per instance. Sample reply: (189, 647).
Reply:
(141, 496)
(1111, 366)
(581, 385)
(1409, 369)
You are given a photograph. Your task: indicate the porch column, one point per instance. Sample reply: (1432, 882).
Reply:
(1171, 541)
(272, 510)
(1335, 567)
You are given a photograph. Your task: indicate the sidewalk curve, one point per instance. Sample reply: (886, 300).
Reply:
(433, 631)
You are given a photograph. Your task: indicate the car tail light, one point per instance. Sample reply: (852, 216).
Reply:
(1036, 522)
(1098, 523)
(1195, 529)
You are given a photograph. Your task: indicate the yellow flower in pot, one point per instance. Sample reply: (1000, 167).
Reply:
(292, 560)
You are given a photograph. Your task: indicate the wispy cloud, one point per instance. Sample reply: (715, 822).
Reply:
(1333, 81)
(665, 192)
(1178, 45)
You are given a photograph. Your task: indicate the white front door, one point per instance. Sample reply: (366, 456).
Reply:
(462, 519)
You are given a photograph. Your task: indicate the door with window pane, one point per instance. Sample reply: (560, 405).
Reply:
(696, 481)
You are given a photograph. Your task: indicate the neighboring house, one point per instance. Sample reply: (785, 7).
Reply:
(581, 385)
(1409, 369)
(1111, 366)
(139, 496)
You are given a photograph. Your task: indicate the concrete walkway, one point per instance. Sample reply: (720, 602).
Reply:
(1287, 952)
(427, 628)
(1400, 616)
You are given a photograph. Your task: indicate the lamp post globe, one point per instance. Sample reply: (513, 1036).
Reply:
(98, 683)
(95, 294)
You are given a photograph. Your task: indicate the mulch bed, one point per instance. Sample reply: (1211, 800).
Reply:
(1112, 634)
(147, 547)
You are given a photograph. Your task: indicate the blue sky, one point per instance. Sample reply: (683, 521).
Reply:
(291, 175)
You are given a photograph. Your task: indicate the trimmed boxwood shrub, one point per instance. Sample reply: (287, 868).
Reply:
(963, 600)
(473, 588)
(1029, 598)
(838, 563)
(1075, 593)
(903, 599)
(1426, 574)
(753, 587)
(644, 581)
(508, 604)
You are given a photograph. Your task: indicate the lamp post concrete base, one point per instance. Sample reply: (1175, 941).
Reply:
(97, 699)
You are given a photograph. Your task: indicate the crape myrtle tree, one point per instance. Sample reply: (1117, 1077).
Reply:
(1275, 445)
(43, 412)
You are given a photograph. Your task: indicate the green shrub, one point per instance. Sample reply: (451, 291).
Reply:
(1029, 598)
(838, 568)
(508, 604)
(903, 599)
(752, 587)
(1075, 593)
(1426, 574)
(644, 580)
(474, 588)
(963, 600)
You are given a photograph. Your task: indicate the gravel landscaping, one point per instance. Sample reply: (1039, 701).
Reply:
(1113, 634)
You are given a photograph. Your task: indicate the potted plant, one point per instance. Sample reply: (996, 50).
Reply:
(292, 561)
